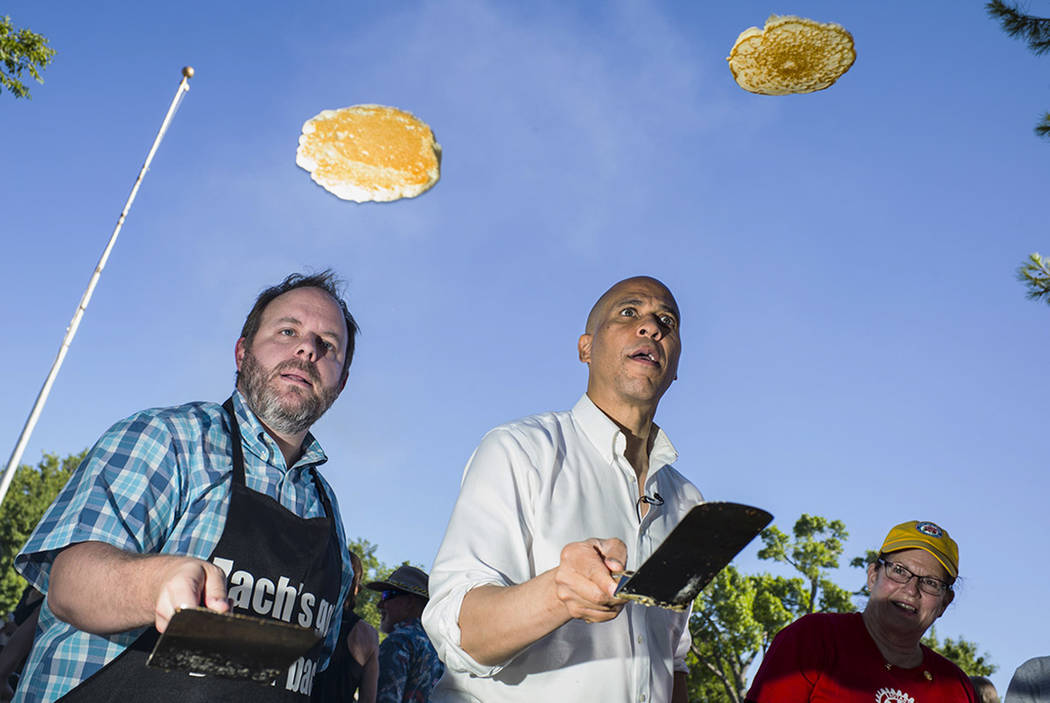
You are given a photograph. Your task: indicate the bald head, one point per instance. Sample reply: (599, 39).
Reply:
(626, 284)
(631, 348)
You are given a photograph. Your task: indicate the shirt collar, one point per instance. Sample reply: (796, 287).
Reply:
(609, 440)
(259, 443)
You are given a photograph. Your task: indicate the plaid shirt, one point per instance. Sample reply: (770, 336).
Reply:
(408, 665)
(157, 482)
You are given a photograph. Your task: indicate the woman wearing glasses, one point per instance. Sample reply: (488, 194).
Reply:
(875, 656)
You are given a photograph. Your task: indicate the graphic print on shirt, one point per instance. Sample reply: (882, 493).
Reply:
(892, 695)
(281, 601)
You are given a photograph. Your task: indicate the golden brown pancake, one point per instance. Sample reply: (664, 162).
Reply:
(791, 55)
(369, 152)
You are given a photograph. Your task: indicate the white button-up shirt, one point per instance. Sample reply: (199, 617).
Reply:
(531, 487)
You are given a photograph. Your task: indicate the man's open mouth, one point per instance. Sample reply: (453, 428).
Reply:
(646, 357)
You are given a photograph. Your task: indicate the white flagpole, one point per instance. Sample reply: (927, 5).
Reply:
(23, 439)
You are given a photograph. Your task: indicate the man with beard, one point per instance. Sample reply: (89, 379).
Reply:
(172, 504)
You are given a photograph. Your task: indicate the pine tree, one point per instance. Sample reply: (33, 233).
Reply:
(1035, 31)
(1035, 274)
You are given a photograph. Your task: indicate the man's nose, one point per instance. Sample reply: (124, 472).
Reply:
(311, 346)
(650, 327)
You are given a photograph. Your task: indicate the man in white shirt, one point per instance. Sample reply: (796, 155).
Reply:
(551, 507)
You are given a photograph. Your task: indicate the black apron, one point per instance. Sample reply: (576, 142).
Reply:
(277, 565)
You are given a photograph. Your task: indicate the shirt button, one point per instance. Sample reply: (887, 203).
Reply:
(641, 697)
(639, 642)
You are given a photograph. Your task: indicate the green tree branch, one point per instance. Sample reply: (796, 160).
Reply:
(21, 51)
(32, 490)
(1035, 31)
(1035, 273)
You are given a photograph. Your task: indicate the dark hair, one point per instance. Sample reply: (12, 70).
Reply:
(325, 280)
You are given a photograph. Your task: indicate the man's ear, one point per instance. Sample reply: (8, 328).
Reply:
(872, 567)
(239, 350)
(584, 347)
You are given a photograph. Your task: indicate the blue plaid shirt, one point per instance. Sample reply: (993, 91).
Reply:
(408, 665)
(157, 482)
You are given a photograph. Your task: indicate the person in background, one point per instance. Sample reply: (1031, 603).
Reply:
(551, 508)
(984, 689)
(172, 502)
(408, 665)
(1031, 682)
(354, 667)
(875, 655)
(16, 651)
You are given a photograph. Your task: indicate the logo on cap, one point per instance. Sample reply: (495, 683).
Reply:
(930, 529)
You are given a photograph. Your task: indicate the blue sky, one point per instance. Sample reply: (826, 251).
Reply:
(855, 344)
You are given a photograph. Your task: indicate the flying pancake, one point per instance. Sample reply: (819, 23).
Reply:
(369, 152)
(791, 55)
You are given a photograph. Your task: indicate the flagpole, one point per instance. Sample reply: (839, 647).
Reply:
(45, 390)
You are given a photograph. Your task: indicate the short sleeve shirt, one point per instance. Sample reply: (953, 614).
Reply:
(157, 482)
(831, 658)
(408, 665)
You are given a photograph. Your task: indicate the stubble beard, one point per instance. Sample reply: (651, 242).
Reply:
(289, 414)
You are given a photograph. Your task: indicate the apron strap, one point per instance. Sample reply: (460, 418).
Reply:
(235, 440)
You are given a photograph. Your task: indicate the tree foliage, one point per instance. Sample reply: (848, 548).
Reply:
(1035, 274)
(32, 490)
(816, 546)
(962, 652)
(735, 618)
(21, 51)
(1035, 31)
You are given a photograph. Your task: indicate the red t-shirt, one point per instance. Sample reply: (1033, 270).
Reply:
(831, 658)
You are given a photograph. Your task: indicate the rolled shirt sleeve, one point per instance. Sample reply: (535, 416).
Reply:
(486, 543)
(531, 487)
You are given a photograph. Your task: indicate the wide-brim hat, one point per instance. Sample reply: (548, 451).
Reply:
(927, 536)
(405, 578)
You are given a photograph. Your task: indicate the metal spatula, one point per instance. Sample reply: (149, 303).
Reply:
(202, 641)
(700, 546)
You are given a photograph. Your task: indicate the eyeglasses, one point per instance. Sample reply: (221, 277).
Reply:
(389, 595)
(927, 584)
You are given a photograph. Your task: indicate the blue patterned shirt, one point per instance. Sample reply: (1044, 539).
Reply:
(408, 665)
(157, 482)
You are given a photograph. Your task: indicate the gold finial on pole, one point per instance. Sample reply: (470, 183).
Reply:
(187, 71)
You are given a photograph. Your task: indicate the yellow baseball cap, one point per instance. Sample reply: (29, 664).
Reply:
(927, 536)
